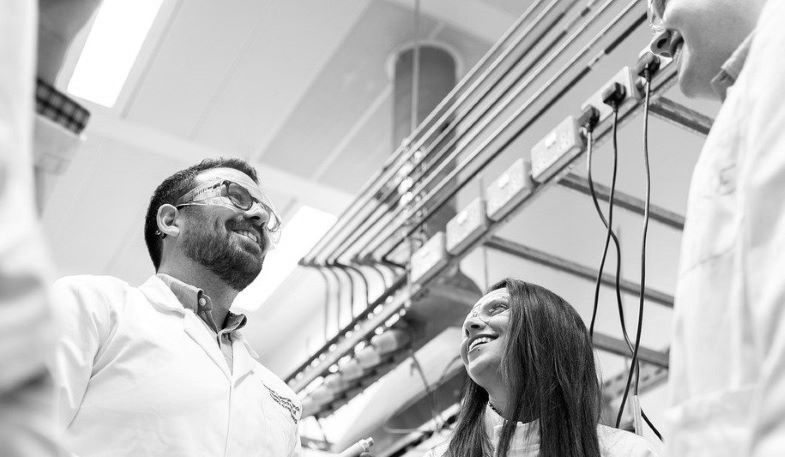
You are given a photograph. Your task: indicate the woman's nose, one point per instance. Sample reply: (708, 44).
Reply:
(473, 323)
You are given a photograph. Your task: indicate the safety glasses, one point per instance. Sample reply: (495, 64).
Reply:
(235, 196)
(655, 12)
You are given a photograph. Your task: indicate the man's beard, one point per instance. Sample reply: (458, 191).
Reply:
(213, 248)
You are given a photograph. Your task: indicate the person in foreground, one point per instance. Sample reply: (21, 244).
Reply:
(727, 358)
(532, 388)
(161, 369)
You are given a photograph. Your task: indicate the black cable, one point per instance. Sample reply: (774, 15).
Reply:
(651, 426)
(610, 234)
(643, 249)
(326, 298)
(337, 296)
(364, 282)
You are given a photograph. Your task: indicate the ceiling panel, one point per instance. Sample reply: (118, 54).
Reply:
(196, 55)
(350, 82)
(281, 58)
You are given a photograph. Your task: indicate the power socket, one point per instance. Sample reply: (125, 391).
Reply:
(429, 258)
(466, 226)
(626, 80)
(560, 146)
(508, 190)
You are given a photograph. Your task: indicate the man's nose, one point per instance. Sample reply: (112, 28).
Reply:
(666, 43)
(258, 215)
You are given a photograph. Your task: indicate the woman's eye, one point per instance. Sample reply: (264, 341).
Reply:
(498, 308)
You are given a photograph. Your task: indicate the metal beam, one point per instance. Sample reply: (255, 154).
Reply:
(622, 200)
(680, 115)
(619, 347)
(568, 266)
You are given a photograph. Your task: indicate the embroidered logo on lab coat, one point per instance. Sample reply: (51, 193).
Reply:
(289, 405)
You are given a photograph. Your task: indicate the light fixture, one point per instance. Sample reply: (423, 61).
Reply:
(114, 41)
(306, 227)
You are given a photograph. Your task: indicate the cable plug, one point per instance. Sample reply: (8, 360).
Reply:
(614, 94)
(648, 64)
(589, 118)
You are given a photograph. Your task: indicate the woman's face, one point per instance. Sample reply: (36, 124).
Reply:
(484, 337)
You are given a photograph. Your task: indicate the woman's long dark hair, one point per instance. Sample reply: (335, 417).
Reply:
(549, 364)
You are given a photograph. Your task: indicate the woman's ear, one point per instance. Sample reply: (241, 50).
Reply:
(166, 218)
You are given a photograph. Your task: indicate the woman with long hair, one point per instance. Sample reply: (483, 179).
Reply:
(532, 388)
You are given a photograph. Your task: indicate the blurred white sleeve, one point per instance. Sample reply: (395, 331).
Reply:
(762, 249)
(26, 416)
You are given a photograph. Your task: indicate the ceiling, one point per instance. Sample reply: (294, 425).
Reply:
(302, 89)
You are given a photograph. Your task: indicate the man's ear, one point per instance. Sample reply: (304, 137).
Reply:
(166, 218)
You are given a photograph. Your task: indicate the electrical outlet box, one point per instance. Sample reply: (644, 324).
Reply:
(623, 77)
(508, 190)
(429, 258)
(560, 146)
(466, 226)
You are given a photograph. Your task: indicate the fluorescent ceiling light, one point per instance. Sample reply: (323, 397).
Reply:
(119, 29)
(299, 235)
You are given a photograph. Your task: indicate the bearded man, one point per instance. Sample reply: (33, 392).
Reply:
(161, 369)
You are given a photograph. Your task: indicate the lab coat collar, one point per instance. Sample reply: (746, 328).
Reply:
(731, 69)
(194, 298)
(163, 299)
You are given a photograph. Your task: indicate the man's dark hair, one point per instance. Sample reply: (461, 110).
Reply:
(176, 186)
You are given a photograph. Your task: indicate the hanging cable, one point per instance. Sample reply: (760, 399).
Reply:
(610, 234)
(364, 282)
(639, 330)
(338, 296)
(326, 299)
(651, 426)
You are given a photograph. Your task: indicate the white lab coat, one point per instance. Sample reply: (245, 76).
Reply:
(727, 368)
(26, 397)
(139, 375)
(525, 441)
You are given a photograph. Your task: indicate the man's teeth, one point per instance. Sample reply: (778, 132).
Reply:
(249, 234)
(479, 341)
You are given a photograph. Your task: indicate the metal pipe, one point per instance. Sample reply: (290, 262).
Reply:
(367, 248)
(362, 228)
(576, 269)
(394, 163)
(340, 344)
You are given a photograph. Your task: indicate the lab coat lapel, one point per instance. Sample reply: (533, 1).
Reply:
(244, 361)
(164, 300)
(196, 329)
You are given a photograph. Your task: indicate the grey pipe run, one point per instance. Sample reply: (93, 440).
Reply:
(378, 211)
(388, 230)
(576, 269)
(405, 152)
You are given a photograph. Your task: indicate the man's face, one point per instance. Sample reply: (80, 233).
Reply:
(229, 242)
(712, 30)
